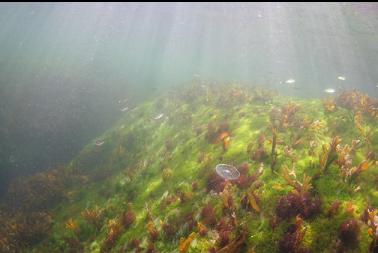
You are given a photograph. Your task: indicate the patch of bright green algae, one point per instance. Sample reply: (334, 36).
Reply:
(129, 168)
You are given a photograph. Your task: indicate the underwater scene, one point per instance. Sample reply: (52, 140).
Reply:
(169, 136)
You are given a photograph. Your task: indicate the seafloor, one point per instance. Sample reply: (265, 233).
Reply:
(308, 179)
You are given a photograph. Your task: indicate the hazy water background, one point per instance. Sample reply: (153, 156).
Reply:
(64, 66)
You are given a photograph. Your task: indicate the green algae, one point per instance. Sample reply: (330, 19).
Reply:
(129, 168)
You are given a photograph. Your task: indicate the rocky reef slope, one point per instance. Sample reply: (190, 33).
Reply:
(308, 179)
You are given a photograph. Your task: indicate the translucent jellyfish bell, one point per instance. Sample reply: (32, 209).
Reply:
(227, 172)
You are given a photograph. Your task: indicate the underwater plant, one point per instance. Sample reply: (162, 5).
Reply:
(219, 133)
(349, 235)
(169, 230)
(259, 154)
(328, 154)
(167, 174)
(235, 246)
(251, 198)
(195, 186)
(33, 228)
(227, 199)
(365, 131)
(152, 231)
(245, 180)
(128, 218)
(273, 152)
(215, 182)
(357, 101)
(93, 216)
(73, 244)
(208, 215)
(224, 238)
(168, 200)
(134, 244)
(202, 229)
(299, 201)
(253, 201)
(345, 161)
(19, 231)
(316, 126)
(214, 130)
(231, 96)
(184, 195)
(204, 158)
(72, 225)
(284, 117)
(370, 217)
(38, 192)
(225, 138)
(292, 240)
(334, 208)
(8, 243)
(185, 242)
(225, 228)
(329, 105)
(288, 112)
(289, 152)
(114, 232)
(261, 95)
(151, 248)
(350, 172)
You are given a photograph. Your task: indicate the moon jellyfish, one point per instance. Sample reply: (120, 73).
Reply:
(228, 172)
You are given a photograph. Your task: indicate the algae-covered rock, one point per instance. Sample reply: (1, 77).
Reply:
(214, 169)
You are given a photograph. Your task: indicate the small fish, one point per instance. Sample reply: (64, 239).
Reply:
(124, 109)
(290, 81)
(99, 143)
(342, 78)
(330, 90)
(159, 116)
